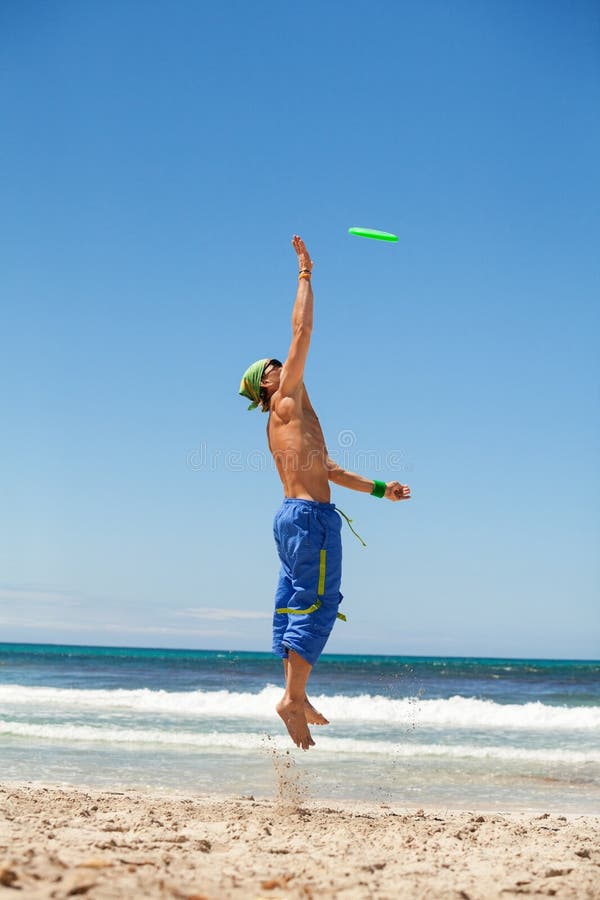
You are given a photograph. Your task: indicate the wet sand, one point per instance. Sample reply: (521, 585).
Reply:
(63, 842)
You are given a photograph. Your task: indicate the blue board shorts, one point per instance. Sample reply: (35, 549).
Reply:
(309, 544)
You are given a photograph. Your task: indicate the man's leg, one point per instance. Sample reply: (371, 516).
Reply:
(313, 716)
(291, 707)
(311, 613)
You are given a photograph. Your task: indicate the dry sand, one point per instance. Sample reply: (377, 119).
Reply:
(64, 842)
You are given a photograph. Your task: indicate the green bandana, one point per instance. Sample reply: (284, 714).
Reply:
(250, 383)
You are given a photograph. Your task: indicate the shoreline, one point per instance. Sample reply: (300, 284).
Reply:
(303, 797)
(60, 840)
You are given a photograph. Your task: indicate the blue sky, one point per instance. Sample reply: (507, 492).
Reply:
(155, 161)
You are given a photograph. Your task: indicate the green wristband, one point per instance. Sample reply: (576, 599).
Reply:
(378, 488)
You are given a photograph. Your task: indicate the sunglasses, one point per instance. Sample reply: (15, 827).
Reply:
(272, 364)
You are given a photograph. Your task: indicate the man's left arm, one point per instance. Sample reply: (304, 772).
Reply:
(393, 489)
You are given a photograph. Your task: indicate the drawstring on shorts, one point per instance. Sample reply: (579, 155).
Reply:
(349, 521)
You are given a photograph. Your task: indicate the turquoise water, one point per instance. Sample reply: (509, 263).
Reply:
(459, 732)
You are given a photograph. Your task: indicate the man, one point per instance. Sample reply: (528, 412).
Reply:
(306, 526)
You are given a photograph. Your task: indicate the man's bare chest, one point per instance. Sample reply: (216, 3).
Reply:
(302, 430)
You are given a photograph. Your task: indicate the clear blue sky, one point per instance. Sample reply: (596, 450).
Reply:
(155, 160)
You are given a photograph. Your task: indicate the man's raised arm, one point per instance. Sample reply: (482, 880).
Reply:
(302, 322)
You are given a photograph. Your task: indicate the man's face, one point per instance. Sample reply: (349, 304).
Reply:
(270, 377)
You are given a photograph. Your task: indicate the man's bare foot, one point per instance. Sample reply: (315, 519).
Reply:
(304, 260)
(294, 718)
(313, 716)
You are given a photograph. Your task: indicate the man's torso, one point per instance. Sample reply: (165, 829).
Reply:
(298, 447)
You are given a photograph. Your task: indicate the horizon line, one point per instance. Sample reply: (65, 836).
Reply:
(268, 653)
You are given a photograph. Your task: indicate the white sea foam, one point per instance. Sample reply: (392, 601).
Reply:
(251, 742)
(454, 712)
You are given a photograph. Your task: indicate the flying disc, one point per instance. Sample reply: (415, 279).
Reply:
(372, 233)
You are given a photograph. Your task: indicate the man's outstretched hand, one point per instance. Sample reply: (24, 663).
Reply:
(396, 491)
(304, 260)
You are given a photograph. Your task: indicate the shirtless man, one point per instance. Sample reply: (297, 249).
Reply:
(306, 526)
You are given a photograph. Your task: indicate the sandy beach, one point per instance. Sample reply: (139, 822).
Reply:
(62, 842)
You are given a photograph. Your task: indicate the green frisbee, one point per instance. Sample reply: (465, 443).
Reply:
(372, 233)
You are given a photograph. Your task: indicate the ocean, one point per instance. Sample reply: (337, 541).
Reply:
(451, 732)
